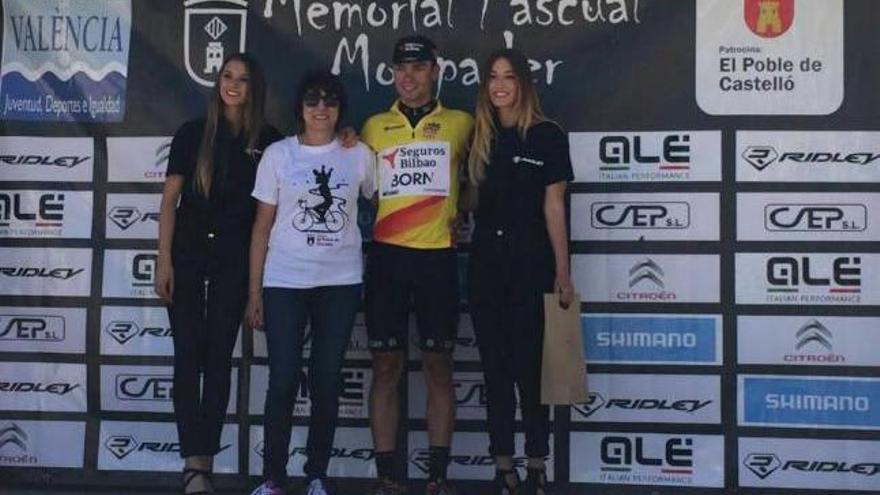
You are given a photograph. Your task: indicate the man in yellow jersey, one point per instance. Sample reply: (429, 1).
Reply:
(419, 146)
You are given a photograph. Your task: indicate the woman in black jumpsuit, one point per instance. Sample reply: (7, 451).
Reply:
(203, 254)
(519, 165)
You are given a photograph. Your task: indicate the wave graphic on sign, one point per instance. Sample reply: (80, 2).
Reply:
(65, 73)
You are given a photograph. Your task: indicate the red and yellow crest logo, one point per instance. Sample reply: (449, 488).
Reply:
(769, 18)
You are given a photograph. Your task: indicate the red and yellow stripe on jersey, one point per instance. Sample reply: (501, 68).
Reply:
(417, 174)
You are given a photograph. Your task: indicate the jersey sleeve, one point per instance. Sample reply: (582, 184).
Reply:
(369, 185)
(551, 145)
(266, 181)
(184, 150)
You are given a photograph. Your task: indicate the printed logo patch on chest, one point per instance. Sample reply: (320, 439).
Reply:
(415, 169)
(430, 130)
(527, 161)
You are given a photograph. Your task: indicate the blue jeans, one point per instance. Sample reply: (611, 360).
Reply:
(331, 311)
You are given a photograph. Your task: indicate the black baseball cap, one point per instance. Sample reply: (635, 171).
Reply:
(414, 49)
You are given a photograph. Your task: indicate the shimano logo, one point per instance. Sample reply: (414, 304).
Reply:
(664, 340)
(818, 402)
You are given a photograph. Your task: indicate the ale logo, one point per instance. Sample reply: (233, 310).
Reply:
(769, 18)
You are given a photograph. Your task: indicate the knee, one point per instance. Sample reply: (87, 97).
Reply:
(387, 370)
(438, 370)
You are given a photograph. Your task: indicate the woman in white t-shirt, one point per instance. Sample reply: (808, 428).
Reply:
(306, 267)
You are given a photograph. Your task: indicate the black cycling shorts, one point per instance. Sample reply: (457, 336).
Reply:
(396, 275)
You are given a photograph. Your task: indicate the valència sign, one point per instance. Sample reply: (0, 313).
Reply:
(769, 57)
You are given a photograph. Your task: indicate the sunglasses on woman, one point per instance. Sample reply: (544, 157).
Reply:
(312, 98)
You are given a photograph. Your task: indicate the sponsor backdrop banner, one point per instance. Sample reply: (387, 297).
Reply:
(726, 160)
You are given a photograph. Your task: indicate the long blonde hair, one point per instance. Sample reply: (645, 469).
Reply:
(252, 120)
(527, 107)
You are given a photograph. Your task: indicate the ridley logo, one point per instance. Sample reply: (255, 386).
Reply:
(760, 157)
(763, 465)
(13, 435)
(121, 445)
(210, 33)
(51, 388)
(46, 160)
(31, 272)
(769, 18)
(595, 402)
(126, 216)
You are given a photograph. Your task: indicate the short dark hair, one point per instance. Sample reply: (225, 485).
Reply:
(322, 81)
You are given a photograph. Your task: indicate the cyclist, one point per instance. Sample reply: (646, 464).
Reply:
(419, 144)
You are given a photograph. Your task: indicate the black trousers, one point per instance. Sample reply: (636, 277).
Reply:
(205, 317)
(509, 325)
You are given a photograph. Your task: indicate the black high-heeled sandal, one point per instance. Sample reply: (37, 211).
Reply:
(189, 474)
(502, 484)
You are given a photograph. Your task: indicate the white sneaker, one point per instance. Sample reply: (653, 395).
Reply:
(316, 487)
(267, 488)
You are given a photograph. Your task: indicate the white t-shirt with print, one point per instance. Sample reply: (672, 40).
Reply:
(315, 240)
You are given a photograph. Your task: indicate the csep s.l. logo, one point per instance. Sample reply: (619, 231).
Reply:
(769, 18)
(212, 29)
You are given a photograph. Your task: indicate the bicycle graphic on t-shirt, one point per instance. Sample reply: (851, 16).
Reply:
(329, 215)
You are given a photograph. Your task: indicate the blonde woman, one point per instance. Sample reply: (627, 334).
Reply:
(518, 166)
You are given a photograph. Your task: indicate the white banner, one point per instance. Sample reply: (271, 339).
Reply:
(136, 331)
(810, 464)
(48, 387)
(137, 159)
(42, 443)
(669, 156)
(808, 340)
(50, 330)
(807, 217)
(130, 446)
(647, 278)
(133, 216)
(838, 279)
(469, 459)
(45, 214)
(147, 389)
(647, 459)
(351, 456)
(354, 393)
(50, 159)
(807, 156)
(619, 398)
(45, 272)
(129, 273)
(645, 217)
(780, 57)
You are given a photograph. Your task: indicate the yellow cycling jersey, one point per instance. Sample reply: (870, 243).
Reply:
(417, 172)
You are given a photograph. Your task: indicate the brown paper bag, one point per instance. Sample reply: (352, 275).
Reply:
(563, 368)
